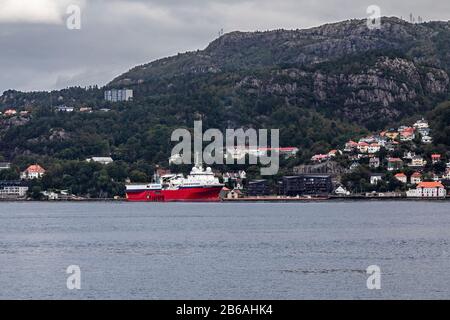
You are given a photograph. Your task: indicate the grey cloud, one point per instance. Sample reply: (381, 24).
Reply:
(118, 34)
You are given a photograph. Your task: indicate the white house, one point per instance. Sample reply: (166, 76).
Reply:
(341, 191)
(32, 172)
(401, 177)
(427, 139)
(373, 148)
(5, 166)
(427, 190)
(102, 160)
(13, 189)
(376, 177)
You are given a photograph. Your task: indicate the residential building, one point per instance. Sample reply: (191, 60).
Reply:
(421, 124)
(374, 162)
(427, 190)
(409, 155)
(5, 166)
(392, 135)
(34, 171)
(13, 189)
(401, 177)
(376, 177)
(350, 146)
(407, 135)
(394, 164)
(234, 180)
(427, 139)
(10, 112)
(392, 145)
(416, 178)
(86, 109)
(318, 158)
(373, 148)
(341, 191)
(435, 158)
(354, 166)
(417, 162)
(64, 109)
(307, 184)
(116, 95)
(333, 153)
(102, 160)
(258, 188)
(363, 147)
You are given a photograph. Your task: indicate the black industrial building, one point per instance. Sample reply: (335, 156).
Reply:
(306, 184)
(258, 188)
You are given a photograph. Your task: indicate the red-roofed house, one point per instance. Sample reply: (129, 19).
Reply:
(363, 147)
(33, 172)
(435, 158)
(350, 146)
(320, 157)
(401, 177)
(373, 148)
(416, 178)
(428, 190)
(394, 164)
(10, 112)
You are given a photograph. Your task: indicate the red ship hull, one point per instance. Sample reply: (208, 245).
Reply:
(200, 194)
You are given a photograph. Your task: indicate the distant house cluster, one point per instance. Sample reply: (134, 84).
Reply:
(382, 150)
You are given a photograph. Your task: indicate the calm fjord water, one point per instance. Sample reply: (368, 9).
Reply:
(225, 250)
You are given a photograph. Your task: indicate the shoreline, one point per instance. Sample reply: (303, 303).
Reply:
(244, 200)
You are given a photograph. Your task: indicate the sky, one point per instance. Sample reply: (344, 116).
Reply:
(39, 52)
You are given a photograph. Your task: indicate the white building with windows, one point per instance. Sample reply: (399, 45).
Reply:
(118, 95)
(428, 190)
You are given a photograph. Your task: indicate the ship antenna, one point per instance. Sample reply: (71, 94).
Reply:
(198, 164)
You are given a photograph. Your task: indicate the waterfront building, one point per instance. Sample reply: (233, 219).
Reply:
(341, 191)
(257, 188)
(13, 189)
(307, 184)
(427, 190)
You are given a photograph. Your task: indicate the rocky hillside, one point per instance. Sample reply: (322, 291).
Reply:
(369, 76)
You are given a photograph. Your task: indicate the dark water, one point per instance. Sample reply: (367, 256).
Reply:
(225, 251)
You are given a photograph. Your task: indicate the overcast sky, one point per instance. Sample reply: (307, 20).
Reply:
(38, 51)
